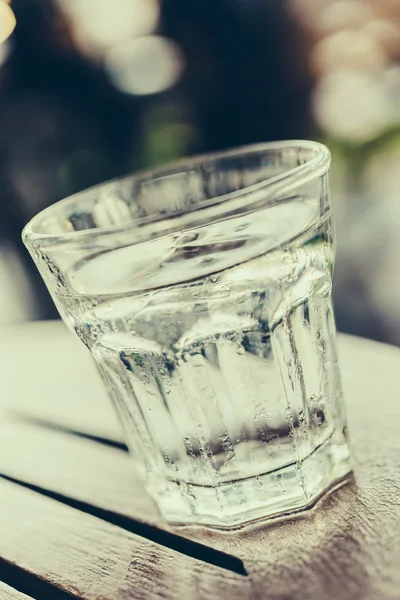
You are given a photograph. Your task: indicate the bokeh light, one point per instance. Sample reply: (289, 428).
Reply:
(354, 49)
(387, 8)
(347, 49)
(343, 14)
(7, 21)
(145, 65)
(387, 34)
(352, 105)
(99, 24)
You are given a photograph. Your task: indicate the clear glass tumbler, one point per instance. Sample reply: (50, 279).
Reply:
(203, 292)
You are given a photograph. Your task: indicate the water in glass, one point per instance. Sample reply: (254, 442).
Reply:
(218, 347)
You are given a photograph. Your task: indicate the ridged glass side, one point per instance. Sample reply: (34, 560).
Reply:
(227, 383)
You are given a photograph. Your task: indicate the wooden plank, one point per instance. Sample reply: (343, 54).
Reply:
(47, 371)
(9, 593)
(349, 547)
(93, 560)
(75, 467)
(87, 476)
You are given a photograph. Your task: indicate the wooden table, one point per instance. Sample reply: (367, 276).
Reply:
(75, 521)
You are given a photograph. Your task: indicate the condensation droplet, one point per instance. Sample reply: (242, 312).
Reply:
(187, 238)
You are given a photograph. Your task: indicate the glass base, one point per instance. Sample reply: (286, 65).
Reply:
(293, 488)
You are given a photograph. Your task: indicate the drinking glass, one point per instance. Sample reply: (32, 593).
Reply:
(203, 292)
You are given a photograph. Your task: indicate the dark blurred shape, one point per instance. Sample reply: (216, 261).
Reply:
(63, 125)
(247, 76)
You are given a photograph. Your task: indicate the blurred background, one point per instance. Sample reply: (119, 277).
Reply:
(93, 89)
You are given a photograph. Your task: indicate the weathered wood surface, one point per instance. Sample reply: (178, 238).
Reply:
(47, 373)
(8, 593)
(348, 547)
(91, 559)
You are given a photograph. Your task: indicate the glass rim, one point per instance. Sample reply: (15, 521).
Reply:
(285, 181)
